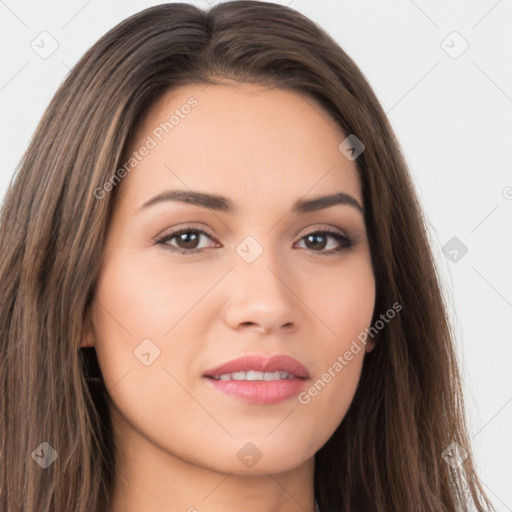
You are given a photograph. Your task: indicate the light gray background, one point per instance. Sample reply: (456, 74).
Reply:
(452, 114)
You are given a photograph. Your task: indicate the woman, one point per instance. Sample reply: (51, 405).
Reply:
(300, 359)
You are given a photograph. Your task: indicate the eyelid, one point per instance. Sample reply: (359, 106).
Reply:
(315, 228)
(186, 227)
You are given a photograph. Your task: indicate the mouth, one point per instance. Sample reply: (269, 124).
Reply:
(253, 375)
(258, 379)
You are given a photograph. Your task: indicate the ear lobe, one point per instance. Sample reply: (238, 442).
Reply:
(370, 345)
(88, 339)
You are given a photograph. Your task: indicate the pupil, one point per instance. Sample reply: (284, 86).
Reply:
(185, 237)
(315, 237)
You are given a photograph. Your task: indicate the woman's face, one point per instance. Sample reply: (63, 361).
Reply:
(251, 274)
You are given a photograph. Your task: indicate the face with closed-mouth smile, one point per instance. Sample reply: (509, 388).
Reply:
(237, 269)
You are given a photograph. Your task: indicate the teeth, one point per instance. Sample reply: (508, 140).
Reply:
(254, 375)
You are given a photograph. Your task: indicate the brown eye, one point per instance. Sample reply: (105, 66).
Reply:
(318, 241)
(187, 240)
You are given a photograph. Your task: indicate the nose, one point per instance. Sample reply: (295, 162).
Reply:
(261, 297)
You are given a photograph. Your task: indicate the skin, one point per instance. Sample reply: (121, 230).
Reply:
(177, 438)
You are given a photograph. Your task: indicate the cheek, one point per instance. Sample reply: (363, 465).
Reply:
(344, 301)
(345, 306)
(140, 337)
(144, 297)
(150, 321)
(136, 312)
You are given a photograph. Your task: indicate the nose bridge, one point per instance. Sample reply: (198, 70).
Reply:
(260, 293)
(260, 264)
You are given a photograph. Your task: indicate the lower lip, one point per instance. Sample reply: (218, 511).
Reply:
(260, 391)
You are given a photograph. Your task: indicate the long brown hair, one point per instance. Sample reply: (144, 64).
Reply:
(387, 454)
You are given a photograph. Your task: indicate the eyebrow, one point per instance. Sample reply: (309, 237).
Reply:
(224, 204)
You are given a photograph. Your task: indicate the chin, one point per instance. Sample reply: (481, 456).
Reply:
(259, 457)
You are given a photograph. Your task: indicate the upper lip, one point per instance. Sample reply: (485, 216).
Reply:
(261, 363)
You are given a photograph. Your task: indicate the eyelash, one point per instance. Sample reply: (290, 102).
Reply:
(345, 242)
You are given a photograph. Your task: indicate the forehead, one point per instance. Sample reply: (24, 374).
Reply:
(239, 139)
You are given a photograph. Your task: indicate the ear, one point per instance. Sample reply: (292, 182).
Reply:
(370, 345)
(89, 338)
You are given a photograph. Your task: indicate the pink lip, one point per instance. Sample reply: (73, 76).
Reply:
(260, 392)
